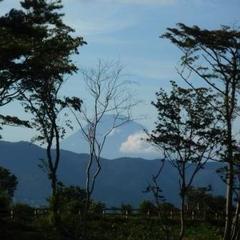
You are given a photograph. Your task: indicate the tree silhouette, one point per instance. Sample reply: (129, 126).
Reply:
(187, 132)
(14, 48)
(46, 66)
(108, 94)
(214, 57)
(8, 183)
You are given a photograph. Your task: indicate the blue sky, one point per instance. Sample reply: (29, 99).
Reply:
(128, 31)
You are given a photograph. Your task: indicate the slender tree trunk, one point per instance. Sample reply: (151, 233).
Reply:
(182, 216)
(85, 218)
(236, 222)
(54, 198)
(238, 234)
(88, 196)
(228, 217)
(229, 180)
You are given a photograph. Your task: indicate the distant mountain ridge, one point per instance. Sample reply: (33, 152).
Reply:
(122, 180)
(114, 142)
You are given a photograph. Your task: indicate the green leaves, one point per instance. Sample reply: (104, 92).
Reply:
(46, 65)
(188, 129)
(8, 182)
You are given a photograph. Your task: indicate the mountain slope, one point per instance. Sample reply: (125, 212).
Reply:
(121, 181)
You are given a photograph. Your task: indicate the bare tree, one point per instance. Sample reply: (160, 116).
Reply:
(108, 94)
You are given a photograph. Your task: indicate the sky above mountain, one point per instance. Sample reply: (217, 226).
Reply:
(128, 31)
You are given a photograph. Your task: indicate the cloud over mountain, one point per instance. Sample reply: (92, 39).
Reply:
(136, 144)
(127, 140)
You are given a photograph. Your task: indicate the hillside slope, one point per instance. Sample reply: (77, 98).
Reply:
(121, 180)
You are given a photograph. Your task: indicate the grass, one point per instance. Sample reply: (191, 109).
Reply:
(112, 228)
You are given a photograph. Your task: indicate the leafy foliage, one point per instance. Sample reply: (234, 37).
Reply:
(126, 209)
(214, 57)
(147, 208)
(188, 132)
(8, 182)
(71, 199)
(188, 128)
(201, 199)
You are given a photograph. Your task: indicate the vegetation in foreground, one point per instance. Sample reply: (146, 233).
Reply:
(20, 221)
(104, 228)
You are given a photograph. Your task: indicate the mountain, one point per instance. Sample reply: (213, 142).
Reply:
(122, 180)
(124, 135)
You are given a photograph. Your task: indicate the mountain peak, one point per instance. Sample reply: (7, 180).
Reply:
(126, 140)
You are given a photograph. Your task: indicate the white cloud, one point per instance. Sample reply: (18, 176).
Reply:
(97, 25)
(151, 68)
(93, 17)
(136, 144)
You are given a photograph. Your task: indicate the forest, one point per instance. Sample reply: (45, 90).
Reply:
(195, 125)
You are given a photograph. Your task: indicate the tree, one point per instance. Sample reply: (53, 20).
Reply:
(159, 200)
(71, 199)
(46, 66)
(107, 95)
(71, 202)
(97, 208)
(216, 204)
(8, 183)
(187, 132)
(126, 209)
(202, 200)
(214, 57)
(14, 48)
(154, 187)
(198, 198)
(147, 208)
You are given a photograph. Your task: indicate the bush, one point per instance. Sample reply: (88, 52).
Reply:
(126, 209)
(147, 208)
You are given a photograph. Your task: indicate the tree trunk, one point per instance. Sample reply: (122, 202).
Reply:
(235, 224)
(228, 218)
(182, 216)
(229, 180)
(85, 219)
(54, 198)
